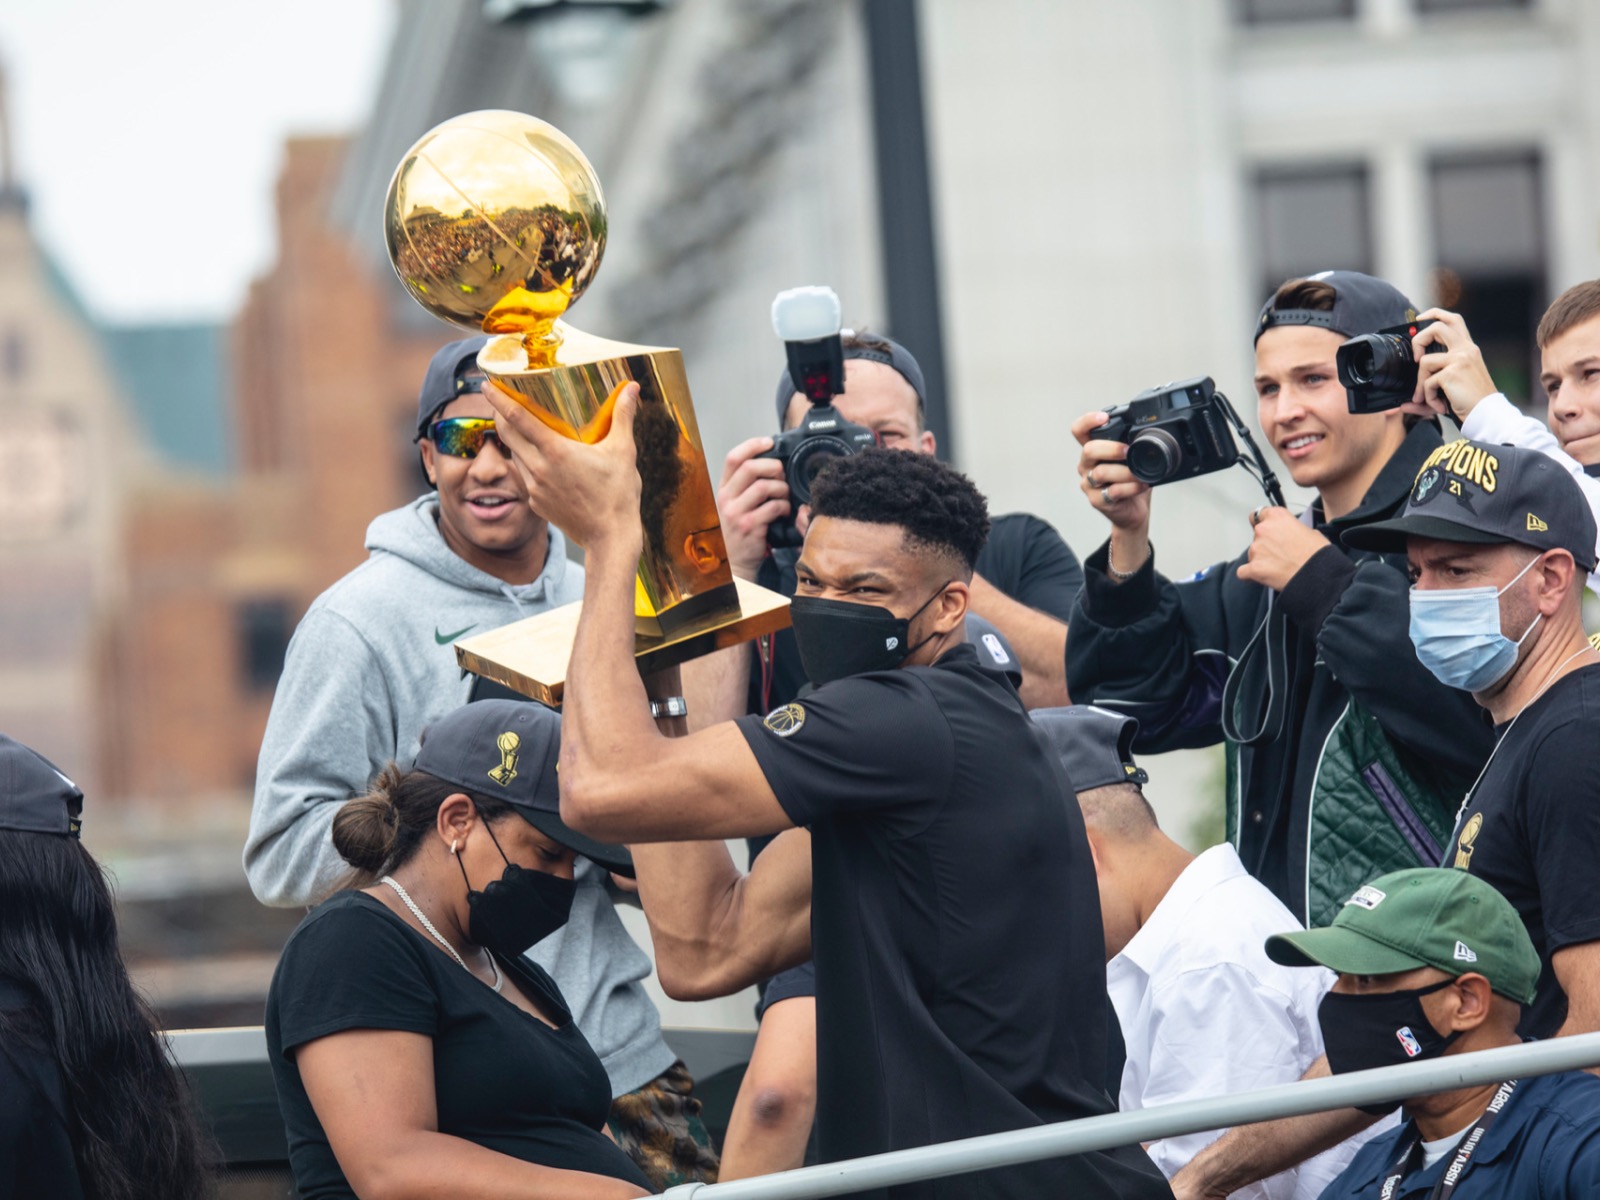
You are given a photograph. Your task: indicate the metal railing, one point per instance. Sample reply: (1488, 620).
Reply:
(1150, 1124)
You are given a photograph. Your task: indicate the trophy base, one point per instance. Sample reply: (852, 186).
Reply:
(530, 656)
(689, 612)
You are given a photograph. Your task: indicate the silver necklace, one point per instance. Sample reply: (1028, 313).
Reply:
(437, 936)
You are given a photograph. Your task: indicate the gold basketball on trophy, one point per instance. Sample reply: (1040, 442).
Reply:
(495, 221)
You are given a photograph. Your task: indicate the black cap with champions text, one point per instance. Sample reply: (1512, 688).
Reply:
(875, 348)
(507, 750)
(1094, 744)
(1484, 494)
(452, 371)
(35, 797)
(1362, 304)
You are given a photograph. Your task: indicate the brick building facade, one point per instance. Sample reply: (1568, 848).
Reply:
(322, 391)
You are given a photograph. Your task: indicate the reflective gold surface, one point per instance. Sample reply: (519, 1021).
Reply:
(683, 572)
(495, 221)
(531, 656)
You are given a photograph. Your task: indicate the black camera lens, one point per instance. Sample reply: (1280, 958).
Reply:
(808, 459)
(1153, 456)
(1377, 360)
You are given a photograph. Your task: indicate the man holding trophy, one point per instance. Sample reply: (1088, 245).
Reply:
(945, 1007)
(937, 829)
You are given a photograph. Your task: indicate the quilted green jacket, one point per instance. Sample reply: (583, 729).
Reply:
(1346, 757)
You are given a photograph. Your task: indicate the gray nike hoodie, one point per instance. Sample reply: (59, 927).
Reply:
(369, 668)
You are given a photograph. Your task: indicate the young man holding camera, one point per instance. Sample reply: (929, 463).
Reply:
(1346, 757)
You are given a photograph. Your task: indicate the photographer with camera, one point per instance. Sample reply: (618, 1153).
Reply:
(836, 395)
(1027, 577)
(1346, 756)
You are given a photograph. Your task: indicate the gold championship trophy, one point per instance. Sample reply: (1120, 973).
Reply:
(495, 222)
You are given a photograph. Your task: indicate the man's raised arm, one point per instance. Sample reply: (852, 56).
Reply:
(621, 780)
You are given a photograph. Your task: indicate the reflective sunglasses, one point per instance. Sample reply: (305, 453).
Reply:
(463, 437)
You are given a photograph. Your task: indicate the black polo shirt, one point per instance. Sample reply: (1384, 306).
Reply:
(1532, 829)
(955, 924)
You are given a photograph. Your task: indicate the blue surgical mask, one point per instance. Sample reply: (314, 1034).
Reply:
(1457, 634)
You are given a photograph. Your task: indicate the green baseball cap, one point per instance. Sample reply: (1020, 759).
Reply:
(1424, 917)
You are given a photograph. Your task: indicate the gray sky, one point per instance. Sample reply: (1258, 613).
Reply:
(149, 134)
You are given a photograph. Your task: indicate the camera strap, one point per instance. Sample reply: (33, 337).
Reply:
(1259, 682)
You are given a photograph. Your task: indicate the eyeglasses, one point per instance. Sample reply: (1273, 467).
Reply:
(463, 437)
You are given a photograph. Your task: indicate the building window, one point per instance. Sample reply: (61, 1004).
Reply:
(1266, 12)
(1311, 219)
(1488, 231)
(264, 630)
(1450, 6)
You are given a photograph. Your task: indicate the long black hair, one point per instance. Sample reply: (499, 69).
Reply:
(133, 1130)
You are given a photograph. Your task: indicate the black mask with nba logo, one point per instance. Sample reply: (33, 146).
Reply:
(838, 638)
(1380, 1030)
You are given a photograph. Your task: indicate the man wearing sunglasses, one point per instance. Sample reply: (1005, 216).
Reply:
(373, 664)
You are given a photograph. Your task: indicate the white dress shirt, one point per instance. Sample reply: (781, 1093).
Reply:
(1206, 1013)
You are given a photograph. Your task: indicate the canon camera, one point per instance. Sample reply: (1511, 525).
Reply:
(807, 319)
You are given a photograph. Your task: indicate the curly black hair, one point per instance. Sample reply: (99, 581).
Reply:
(934, 503)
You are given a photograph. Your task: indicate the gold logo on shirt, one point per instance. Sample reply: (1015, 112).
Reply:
(785, 721)
(1469, 838)
(509, 744)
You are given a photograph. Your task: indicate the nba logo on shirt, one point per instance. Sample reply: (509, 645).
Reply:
(1408, 1041)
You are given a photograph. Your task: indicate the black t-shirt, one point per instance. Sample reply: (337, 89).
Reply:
(1532, 829)
(1024, 557)
(955, 924)
(502, 1078)
(36, 1158)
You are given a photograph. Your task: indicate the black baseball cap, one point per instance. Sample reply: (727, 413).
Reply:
(1095, 745)
(452, 371)
(891, 353)
(35, 797)
(1489, 495)
(1362, 304)
(507, 750)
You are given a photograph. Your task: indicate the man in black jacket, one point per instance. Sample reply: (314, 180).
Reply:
(1346, 758)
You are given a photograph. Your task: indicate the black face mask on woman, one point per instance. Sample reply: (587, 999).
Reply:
(519, 909)
(838, 638)
(1380, 1030)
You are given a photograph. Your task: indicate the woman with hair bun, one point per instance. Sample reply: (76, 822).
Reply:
(417, 1052)
(90, 1107)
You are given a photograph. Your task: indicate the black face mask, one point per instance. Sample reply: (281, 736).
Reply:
(519, 909)
(838, 638)
(1380, 1030)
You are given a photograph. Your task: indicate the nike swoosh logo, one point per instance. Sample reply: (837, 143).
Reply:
(444, 639)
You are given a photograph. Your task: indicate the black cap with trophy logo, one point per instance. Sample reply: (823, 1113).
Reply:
(1484, 494)
(507, 750)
